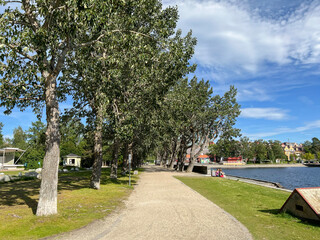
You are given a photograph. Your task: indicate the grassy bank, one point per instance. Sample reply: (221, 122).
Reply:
(254, 206)
(78, 205)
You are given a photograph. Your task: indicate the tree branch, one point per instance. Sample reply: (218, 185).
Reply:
(30, 16)
(113, 31)
(15, 48)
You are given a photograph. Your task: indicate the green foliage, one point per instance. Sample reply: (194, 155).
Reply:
(308, 156)
(226, 148)
(19, 138)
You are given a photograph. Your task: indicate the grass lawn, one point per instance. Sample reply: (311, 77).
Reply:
(14, 173)
(78, 205)
(254, 206)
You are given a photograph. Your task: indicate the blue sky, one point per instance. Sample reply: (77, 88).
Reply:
(268, 49)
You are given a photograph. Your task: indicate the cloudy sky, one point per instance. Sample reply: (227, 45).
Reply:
(270, 51)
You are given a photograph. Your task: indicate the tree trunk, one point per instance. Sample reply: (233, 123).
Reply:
(192, 158)
(125, 165)
(49, 183)
(174, 154)
(181, 157)
(163, 159)
(114, 163)
(96, 168)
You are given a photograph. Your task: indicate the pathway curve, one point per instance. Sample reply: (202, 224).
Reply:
(162, 207)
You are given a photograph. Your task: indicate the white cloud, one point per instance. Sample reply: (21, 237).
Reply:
(309, 126)
(232, 36)
(264, 113)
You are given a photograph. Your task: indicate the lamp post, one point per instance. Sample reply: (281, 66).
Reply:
(129, 160)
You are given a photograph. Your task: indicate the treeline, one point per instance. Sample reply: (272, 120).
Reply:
(124, 65)
(257, 151)
(312, 149)
(73, 140)
(262, 150)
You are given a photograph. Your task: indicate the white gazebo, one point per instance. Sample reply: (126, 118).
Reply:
(7, 156)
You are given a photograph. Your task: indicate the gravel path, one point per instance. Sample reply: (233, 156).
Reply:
(161, 207)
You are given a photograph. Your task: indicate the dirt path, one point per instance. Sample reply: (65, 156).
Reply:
(161, 207)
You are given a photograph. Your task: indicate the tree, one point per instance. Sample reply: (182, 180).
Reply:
(315, 146)
(35, 39)
(277, 150)
(308, 156)
(19, 138)
(260, 150)
(35, 151)
(246, 150)
(307, 145)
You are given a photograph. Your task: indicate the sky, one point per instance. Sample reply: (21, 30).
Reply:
(268, 49)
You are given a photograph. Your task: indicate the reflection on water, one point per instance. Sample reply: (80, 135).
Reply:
(290, 178)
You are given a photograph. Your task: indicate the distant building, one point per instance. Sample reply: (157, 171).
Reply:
(233, 161)
(204, 156)
(292, 149)
(72, 160)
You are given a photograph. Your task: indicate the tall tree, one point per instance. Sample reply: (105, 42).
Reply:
(36, 37)
(19, 138)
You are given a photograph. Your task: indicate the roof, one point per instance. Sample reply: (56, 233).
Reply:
(72, 155)
(311, 196)
(11, 150)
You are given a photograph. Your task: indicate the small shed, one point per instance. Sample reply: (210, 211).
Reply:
(304, 203)
(72, 160)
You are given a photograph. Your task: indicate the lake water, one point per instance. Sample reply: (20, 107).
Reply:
(290, 178)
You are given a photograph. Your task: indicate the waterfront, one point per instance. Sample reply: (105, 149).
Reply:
(290, 177)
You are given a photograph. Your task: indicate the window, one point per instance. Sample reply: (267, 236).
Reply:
(72, 161)
(299, 207)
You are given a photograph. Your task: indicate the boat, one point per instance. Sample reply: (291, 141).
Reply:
(312, 164)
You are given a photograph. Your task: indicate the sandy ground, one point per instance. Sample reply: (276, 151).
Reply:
(161, 207)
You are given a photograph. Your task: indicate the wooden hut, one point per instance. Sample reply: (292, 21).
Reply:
(304, 203)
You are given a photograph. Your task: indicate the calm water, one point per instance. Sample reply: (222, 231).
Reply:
(290, 178)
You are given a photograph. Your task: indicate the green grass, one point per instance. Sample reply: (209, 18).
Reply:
(78, 205)
(13, 173)
(254, 206)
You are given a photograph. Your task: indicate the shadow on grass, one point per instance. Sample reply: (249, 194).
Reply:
(290, 216)
(271, 211)
(27, 192)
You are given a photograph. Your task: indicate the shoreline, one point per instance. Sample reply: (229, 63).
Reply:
(253, 165)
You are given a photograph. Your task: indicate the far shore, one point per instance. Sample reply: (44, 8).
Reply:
(253, 165)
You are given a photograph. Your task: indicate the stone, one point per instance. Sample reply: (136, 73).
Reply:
(76, 169)
(59, 170)
(72, 169)
(38, 170)
(135, 172)
(31, 174)
(2, 177)
(65, 170)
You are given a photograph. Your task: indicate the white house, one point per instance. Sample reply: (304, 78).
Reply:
(7, 156)
(72, 160)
